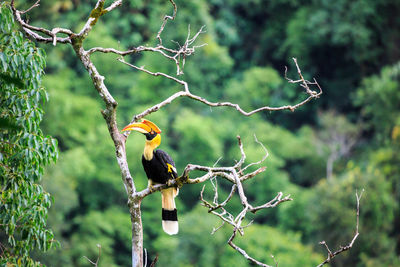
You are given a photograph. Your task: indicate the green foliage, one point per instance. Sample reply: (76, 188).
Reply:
(194, 131)
(63, 115)
(379, 99)
(24, 150)
(339, 43)
(213, 62)
(86, 144)
(259, 85)
(111, 229)
(284, 246)
(296, 215)
(381, 92)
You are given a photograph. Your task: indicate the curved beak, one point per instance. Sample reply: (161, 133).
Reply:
(143, 127)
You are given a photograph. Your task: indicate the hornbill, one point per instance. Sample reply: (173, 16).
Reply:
(159, 168)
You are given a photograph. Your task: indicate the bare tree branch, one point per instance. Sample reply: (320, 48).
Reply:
(186, 93)
(98, 257)
(304, 83)
(243, 252)
(237, 174)
(173, 55)
(166, 18)
(275, 261)
(216, 205)
(331, 254)
(336, 138)
(31, 31)
(114, 5)
(154, 261)
(36, 4)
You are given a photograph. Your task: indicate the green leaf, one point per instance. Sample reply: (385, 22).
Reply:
(3, 59)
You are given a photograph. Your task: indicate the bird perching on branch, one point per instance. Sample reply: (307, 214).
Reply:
(159, 168)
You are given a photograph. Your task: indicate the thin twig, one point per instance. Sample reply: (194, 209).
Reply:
(166, 18)
(275, 261)
(98, 257)
(243, 252)
(214, 230)
(260, 161)
(36, 4)
(154, 261)
(331, 254)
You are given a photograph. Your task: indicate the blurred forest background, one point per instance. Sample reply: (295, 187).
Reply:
(347, 140)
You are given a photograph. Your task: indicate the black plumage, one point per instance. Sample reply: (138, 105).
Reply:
(157, 168)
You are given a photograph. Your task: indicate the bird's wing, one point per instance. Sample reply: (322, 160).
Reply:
(167, 161)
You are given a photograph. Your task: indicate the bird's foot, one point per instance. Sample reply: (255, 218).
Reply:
(151, 188)
(170, 182)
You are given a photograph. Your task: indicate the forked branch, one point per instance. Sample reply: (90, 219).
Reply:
(331, 254)
(236, 221)
(166, 18)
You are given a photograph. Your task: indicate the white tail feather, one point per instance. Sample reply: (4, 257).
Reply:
(170, 227)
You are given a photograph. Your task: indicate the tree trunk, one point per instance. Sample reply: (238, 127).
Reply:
(109, 114)
(137, 234)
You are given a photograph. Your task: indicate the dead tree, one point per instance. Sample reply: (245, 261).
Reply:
(235, 174)
(336, 138)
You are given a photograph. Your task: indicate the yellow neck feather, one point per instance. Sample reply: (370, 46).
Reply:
(150, 146)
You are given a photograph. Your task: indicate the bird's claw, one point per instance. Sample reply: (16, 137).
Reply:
(150, 187)
(170, 182)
